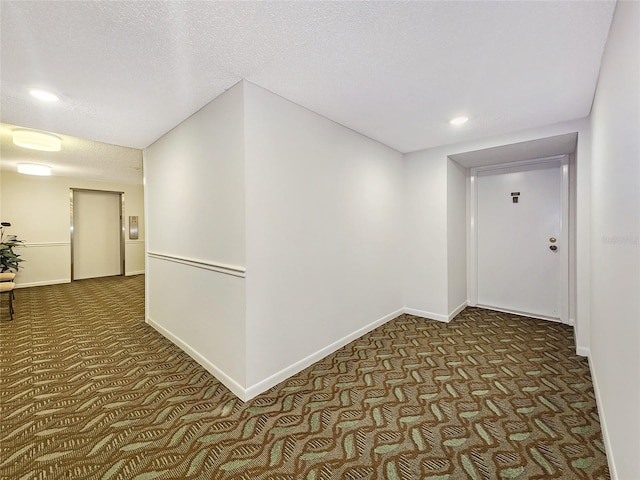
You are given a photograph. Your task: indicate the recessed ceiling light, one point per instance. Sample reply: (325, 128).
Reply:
(44, 95)
(35, 140)
(458, 120)
(34, 169)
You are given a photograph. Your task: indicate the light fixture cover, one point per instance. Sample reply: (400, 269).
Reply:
(458, 120)
(43, 95)
(36, 140)
(34, 169)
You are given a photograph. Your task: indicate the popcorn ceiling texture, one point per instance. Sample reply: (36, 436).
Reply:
(128, 72)
(78, 158)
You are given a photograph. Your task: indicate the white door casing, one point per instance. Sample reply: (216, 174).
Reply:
(511, 266)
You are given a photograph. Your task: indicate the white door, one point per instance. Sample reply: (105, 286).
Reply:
(96, 234)
(521, 247)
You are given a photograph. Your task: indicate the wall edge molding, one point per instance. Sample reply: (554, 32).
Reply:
(227, 269)
(225, 379)
(285, 373)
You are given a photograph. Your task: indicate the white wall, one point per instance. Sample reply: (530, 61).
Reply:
(424, 235)
(324, 236)
(457, 237)
(194, 179)
(38, 209)
(339, 232)
(615, 244)
(432, 283)
(321, 207)
(202, 311)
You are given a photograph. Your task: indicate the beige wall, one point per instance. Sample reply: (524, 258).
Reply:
(38, 209)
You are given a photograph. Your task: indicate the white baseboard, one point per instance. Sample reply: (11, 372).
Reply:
(63, 280)
(457, 310)
(266, 384)
(300, 365)
(43, 283)
(431, 316)
(436, 316)
(518, 312)
(582, 351)
(603, 421)
(225, 379)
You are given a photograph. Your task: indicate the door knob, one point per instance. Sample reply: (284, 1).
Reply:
(553, 248)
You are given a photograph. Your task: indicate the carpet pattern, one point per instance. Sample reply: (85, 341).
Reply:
(88, 391)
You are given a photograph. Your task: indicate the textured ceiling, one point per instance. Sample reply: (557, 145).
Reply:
(128, 72)
(78, 158)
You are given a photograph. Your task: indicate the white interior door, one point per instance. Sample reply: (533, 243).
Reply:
(96, 234)
(521, 247)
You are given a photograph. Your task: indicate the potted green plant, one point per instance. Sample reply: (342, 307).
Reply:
(9, 260)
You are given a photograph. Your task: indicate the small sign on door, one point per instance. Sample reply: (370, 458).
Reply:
(515, 196)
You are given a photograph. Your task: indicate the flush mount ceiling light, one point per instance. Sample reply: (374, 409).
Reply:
(34, 169)
(35, 140)
(459, 120)
(43, 95)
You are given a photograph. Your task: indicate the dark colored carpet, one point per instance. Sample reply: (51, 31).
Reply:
(90, 391)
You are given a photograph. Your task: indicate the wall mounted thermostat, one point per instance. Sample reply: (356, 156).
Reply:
(133, 227)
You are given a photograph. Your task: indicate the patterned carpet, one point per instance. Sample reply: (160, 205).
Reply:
(88, 391)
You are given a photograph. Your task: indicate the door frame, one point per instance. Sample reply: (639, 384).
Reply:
(472, 263)
(122, 226)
